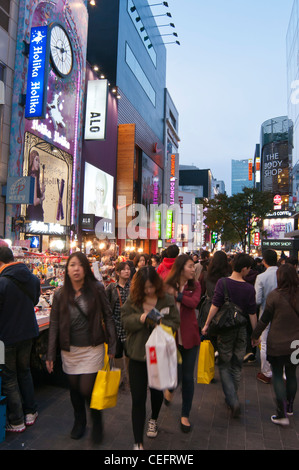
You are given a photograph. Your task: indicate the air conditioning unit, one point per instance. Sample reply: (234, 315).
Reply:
(2, 93)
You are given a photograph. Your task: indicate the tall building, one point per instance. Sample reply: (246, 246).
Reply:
(241, 175)
(125, 43)
(276, 157)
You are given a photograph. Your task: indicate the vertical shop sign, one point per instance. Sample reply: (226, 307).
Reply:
(158, 222)
(96, 110)
(37, 76)
(169, 216)
(249, 170)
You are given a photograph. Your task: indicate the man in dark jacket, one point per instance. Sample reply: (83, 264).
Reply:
(19, 293)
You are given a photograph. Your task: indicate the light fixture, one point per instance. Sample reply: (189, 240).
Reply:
(170, 34)
(165, 14)
(95, 68)
(174, 42)
(133, 9)
(158, 26)
(102, 76)
(92, 2)
(137, 19)
(146, 38)
(156, 4)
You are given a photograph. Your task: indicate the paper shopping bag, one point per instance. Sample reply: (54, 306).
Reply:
(206, 363)
(105, 390)
(161, 360)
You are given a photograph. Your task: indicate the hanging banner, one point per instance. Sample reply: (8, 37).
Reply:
(96, 110)
(37, 76)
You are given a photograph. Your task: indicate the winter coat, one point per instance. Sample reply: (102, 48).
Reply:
(17, 315)
(59, 330)
(138, 333)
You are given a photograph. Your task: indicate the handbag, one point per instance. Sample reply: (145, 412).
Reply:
(228, 316)
(105, 389)
(206, 363)
(161, 360)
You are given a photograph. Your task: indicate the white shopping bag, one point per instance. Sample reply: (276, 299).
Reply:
(161, 360)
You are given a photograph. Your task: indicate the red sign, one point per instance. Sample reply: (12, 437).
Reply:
(256, 238)
(277, 199)
(152, 355)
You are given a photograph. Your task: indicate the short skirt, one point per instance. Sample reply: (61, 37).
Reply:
(83, 360)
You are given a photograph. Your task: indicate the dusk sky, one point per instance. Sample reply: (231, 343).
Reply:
(227, 77)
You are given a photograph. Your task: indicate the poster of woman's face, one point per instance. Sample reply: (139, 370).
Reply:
(52, 171)
(98, 192)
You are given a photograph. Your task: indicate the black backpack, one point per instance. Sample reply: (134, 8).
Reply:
(228, 316)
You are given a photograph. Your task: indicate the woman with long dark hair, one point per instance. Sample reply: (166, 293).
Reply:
(80, 322)
(146, 293)
(35, 211)
(186, 291)
(282, 312)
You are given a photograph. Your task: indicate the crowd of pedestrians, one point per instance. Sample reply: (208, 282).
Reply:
(188, 290)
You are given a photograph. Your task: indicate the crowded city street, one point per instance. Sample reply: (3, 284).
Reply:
(149, 237)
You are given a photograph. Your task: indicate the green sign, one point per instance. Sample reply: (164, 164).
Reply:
(158, 222)
(169, 216)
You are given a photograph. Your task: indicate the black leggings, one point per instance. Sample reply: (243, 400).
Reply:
(81, 387)
(138, 385)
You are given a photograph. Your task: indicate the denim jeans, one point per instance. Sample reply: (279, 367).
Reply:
(17, 382)
(231, 349)
(284, 391)
(186, 377)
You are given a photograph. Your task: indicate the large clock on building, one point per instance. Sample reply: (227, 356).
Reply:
(61, 52)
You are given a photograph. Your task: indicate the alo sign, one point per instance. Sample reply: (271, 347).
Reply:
(37, 76)
(96, 110)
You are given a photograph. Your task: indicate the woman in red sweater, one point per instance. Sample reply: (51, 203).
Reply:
(181, 283)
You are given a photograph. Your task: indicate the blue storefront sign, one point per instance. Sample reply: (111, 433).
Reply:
(37, 76)
(20, 190)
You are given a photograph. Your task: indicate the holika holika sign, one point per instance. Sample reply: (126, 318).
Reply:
(96, 110)
(37, 76)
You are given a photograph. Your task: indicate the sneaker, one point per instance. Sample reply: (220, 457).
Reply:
(249, 358)
(262, 378)
(15, 427)
(282, 421)
(137, 447)
(30, 418)
(152, 428)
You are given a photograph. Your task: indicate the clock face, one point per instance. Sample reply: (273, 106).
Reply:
(61, 51)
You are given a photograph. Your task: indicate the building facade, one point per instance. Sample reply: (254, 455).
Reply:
(242, 176)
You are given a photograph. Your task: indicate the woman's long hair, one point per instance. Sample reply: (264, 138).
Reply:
(173, 278)
(146, 273)
(288, 282)
(89, 286)
(218, 267)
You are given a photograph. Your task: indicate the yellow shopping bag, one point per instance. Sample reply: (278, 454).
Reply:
(206, 363)
(105, 390)
(168, 329)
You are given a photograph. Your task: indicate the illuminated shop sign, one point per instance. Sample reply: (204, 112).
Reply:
(169, 219)
(37, 73)
(96, 110)
(46, 229)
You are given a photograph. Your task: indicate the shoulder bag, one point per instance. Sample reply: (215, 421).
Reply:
(228, 316)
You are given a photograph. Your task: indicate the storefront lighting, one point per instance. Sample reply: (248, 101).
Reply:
(118, 97)
(92, 3)
(140, 250)
(96, 68)
(88, 243)
(102, 246)
(114, 90)
(102, 76)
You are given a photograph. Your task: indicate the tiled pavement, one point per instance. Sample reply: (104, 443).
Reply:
(213, 428)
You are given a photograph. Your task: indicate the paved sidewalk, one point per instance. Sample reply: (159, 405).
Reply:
(213, 428)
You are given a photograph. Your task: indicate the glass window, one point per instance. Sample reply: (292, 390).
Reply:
(139, 74)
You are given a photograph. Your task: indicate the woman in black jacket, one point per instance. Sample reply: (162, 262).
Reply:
(80, 322)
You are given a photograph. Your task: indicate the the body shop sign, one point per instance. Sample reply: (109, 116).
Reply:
(37, 76)
(96, 110)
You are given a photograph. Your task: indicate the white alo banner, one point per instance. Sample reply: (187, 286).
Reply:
(96, 110)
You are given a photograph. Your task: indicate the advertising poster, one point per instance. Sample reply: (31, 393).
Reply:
(275, 168)
(98, 192)
(152, 179)
(51, 169)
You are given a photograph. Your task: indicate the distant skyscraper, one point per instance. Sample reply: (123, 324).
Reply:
(241, 175)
